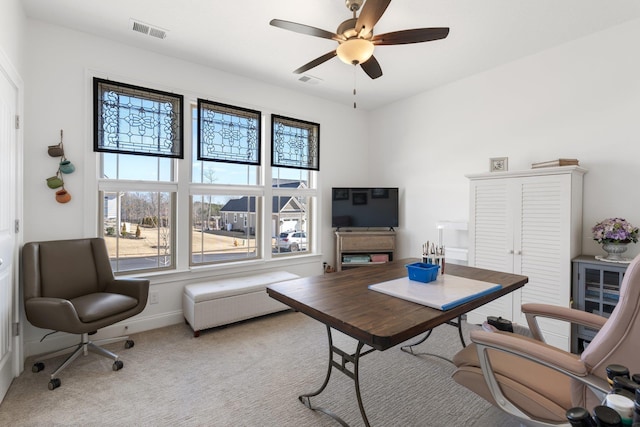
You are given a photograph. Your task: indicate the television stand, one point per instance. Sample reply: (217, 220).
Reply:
(364, 248)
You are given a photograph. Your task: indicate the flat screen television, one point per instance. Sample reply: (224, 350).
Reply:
(364, 207)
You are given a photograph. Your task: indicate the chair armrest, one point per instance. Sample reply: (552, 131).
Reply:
(572, 315)
(38, 311)
(534, 351)
(135, 288)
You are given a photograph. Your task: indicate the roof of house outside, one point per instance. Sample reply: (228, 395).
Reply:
(244, 205)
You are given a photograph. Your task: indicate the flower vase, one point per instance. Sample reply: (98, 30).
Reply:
(614, 251)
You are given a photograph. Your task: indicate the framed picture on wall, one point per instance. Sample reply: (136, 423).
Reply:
(379, 193)
(359, 198)
(340, 194)
(499, 164)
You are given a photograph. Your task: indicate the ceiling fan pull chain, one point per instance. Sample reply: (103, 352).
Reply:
(355, 78)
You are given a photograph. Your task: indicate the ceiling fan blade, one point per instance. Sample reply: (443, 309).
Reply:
(417, 35)
(306, 29)
(371, 12)
(372, 67)
(315, 62)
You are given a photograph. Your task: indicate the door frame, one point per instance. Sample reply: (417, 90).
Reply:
(7, 69)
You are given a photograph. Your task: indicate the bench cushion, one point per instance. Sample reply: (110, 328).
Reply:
(224, 301)
(222, 288)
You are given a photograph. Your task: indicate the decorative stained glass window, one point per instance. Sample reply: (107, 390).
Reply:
(135, 120)
(228, 134)
(295, 143)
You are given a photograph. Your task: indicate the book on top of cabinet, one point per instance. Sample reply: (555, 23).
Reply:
(556, 162)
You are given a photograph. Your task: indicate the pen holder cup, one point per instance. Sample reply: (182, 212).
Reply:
(423, 272)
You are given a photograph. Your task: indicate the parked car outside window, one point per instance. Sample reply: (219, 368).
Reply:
(292, 241)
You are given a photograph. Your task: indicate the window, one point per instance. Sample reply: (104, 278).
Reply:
(295, 143)
(292, 204)
(138, 211)
(238, 206)
(226, 191)
(135, 120)
(228, 134)
(294, 156)
(214, 238)
(137, 228)
(138, 133)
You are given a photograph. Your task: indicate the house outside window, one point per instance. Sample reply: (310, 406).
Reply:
(218, 240)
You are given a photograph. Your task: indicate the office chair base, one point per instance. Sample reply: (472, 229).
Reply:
(83, 348)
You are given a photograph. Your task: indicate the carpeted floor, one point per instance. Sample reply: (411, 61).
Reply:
(248, 374)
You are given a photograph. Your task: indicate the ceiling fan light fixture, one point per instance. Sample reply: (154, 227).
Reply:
(355, 51)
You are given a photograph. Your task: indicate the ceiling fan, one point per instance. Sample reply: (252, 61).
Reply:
(355, 37)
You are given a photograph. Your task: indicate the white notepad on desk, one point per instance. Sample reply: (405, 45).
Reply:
(445, 293)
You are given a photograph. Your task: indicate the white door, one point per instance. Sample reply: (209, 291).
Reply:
(8, 236)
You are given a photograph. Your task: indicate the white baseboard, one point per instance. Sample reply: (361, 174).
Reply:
(130, 326)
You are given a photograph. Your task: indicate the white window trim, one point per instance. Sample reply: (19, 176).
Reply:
(126, 185)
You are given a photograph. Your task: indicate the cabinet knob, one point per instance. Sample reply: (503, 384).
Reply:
(511, 251)
(518, 252)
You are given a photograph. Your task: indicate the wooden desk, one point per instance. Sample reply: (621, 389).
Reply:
(344, 302)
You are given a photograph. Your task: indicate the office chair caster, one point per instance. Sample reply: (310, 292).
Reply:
(117, 365)
(37, 367)
(129, 344)
(54, 383)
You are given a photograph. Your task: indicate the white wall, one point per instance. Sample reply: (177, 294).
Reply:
(579, 100)
(59, 67)
(12, 30)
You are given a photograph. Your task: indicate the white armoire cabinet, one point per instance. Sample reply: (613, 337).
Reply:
(530, 223)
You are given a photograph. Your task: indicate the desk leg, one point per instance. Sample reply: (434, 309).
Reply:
(342, 367)
(356, 380)
(409, 347)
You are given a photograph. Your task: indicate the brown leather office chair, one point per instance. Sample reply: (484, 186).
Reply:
(69, 286)
(538, 383)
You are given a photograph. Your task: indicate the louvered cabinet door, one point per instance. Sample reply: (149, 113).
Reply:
(529, 223)
(543, 250)
(491, 239)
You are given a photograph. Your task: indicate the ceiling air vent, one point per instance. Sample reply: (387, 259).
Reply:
(157, 32)
(147, 29)
(309, 79)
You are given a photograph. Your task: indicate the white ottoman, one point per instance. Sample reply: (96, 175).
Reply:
(225, 301)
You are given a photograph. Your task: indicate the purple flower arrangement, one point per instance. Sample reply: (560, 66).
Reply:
(615, 230)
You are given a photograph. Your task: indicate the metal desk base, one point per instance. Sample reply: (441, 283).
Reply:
(343, 367)
(458, 324)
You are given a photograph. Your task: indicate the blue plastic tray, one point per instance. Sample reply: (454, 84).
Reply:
(423, 272)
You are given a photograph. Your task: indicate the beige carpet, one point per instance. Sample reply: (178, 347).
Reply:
(248, 374)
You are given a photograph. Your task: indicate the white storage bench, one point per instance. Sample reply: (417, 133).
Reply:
(225, 301)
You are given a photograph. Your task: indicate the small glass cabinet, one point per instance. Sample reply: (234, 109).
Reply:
(596, 289)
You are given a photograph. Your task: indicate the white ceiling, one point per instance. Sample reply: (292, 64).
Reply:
(235, 36)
